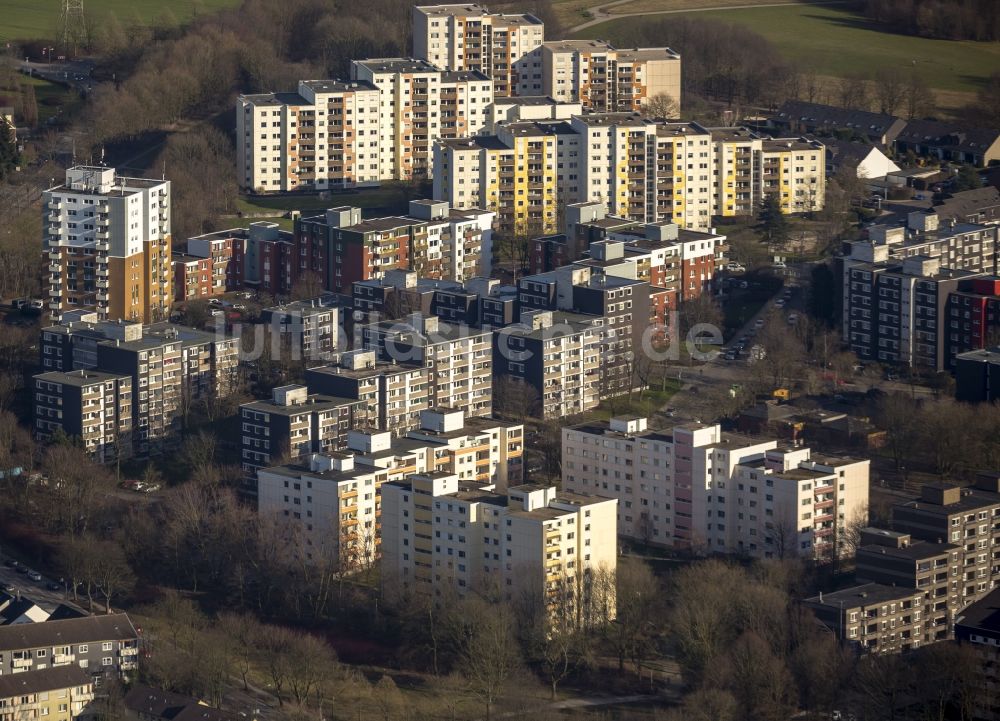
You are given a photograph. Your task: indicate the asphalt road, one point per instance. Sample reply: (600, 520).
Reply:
(75, 73)
(35, 590)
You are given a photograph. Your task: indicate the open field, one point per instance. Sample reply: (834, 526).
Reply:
(28, 19)
(573, 12)
(832, 41)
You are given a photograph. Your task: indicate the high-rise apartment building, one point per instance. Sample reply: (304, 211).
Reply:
(440, 534)
(419, 103)
(557, 355)
(92, 406)
(904, 291)
(108, 244)
(57, 693)
(460, 359)
(697, 487)
(335, 499)
(323, 136)
(171, 367)
(294, 424)
(378, 126)
(607, 80)
(467, 37)
(395, 394)
(512, 174)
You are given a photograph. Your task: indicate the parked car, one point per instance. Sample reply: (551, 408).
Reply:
(54, 586)
(759, 323)
(779, 265)
(34, 575)
(11, 563)
(780, 303)
(736, 267)
(793, 318)
(37, 304)
(20, 568)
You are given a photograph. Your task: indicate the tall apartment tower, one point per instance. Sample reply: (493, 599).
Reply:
(109, 245)
(604, 79)
(467, 37)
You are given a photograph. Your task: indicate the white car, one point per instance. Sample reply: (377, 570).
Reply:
(779, 264)
(780, 303)
(793, 319)
(34, 575)
(735, 268)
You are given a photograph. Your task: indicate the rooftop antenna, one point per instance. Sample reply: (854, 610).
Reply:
(74, 23)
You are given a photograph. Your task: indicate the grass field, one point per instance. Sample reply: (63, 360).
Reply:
(30, 19)
(834, 42)
(573, 12)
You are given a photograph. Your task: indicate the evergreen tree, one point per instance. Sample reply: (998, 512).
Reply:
(9, 157)
(967, 179)
(773, 223)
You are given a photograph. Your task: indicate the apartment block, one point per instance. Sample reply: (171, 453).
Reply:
(873, 617)
(294, 424)
(977, 375)
(211, 266)
(459, 359)
(749, 167)
(108, 244)
(419, 103)
(395, 395)
(477, 302)
(916, 295)
(555, 353)
(967, 517)
(512, 174)
(170, 367)
(92, 406)
(434, 241)
(258, 257)
(696, 487)
(323, 136)
(604, 288)
(977, 628)
(337, 496)
(467, 37)
(56, 694)
(793, 170)
(931, 568)
(99, 645)
(972, 315)
(311, 330)
(439, 535)
(606, 80)
(640, 169)
(145, 703)
(506, 110)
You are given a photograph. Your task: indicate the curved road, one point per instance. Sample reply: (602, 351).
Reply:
(600, 14)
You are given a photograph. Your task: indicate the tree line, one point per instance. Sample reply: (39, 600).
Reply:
(945, 19)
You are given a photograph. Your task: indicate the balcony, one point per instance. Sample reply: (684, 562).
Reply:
(54, 217)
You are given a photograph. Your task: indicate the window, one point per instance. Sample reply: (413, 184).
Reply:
(106, 661)
(106, 646)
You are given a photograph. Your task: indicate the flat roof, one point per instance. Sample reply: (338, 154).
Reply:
(315, 402)
(867, 594)
(915, 551)
(397, 65)
(337, 86)
(79, 378)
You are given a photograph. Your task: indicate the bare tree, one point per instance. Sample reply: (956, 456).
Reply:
(489, 653)
(662, 106)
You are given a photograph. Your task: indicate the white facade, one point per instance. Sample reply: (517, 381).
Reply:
(108, 243)
(438, 532)
(699, 488)
(467, 37)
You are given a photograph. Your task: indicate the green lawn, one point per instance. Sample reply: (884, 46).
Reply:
(27, 19)
(836, 42)
(52, 98)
